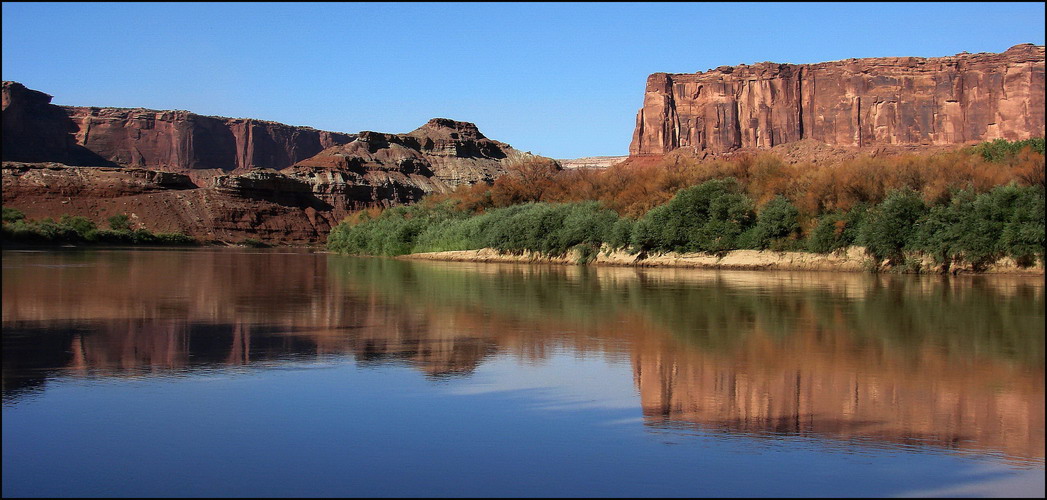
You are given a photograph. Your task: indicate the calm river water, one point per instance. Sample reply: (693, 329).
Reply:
(275, 372)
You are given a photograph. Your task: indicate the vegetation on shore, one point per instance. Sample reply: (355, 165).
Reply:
(79, 230)
(971, 207)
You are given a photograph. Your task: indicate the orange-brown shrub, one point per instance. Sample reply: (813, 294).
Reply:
(637, 185)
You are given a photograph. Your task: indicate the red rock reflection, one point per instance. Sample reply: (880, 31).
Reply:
(848, 357)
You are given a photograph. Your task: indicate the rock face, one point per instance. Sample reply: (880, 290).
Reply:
(592, 162)
(854, 103)
(183, 141)
(262, 204)
(223, 178)
(401, 168)
(37, 131)
(57, 180)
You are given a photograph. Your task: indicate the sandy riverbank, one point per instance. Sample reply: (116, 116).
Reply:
(853, 259)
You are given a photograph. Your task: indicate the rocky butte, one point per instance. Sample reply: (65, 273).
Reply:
(851, 103)
(225, 178)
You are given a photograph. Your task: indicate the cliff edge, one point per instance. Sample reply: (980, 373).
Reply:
(853, 103)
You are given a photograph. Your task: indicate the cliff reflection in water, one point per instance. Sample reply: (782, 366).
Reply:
(854, 358)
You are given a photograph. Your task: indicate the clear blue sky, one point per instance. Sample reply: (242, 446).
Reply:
(561, 80)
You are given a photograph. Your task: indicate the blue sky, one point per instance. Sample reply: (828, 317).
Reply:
(561, 80)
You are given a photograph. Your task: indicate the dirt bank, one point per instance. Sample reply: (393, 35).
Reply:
(853, 259)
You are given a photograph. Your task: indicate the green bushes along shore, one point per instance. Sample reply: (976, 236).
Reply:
(79, 230)
(973, 225)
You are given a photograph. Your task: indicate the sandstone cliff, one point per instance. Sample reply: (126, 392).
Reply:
(37, 131)
(854, 103)
(225, 178)
(34, 130)
(182, 141)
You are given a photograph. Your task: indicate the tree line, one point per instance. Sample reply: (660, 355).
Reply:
(968, 207)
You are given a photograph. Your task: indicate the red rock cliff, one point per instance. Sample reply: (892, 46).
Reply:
(181, 140)
(34, 130)
(855, 102)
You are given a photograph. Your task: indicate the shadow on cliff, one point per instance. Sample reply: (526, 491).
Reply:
(35, 131)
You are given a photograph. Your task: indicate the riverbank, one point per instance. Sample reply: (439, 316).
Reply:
(851, 259)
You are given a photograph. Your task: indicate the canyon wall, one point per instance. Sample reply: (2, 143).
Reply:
(180, 140)
(853, 103)
(37, 131)
(34, 130)
(225, 179)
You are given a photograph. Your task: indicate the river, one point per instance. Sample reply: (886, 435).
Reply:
(290, 372)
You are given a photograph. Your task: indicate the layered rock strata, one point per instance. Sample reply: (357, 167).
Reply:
(853, 103)
(34, 130)
(37, 131)
(262, 204)
(592, 162)
(247, 178)
(401, 168)
(55, 179)
(180, 140)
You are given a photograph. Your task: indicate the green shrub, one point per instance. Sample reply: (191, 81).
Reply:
(81, 230)
(12, 214)
(621, 233)
(982, 235)
(586, 253)
(585, 223)
(463, 233)
(531, 229)
(121, 222)
(889, 227)
(111, 237)
(853, 224)
(22, 231)
(393, 232)
(941, 229)
(1001, 150)
(777, 220)
(80, 224)
(1023, 235)
(545, 228)
(708, 217)
(979, 229)
(828, 234)
(981, 226)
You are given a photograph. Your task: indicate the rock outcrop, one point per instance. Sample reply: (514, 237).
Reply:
(223, 178)
(37, 131)
(853, 103)
(401, 168)
(58, 180)
(592, 162)
(262, 204)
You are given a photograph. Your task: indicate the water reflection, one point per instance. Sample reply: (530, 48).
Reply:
(859, 359)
